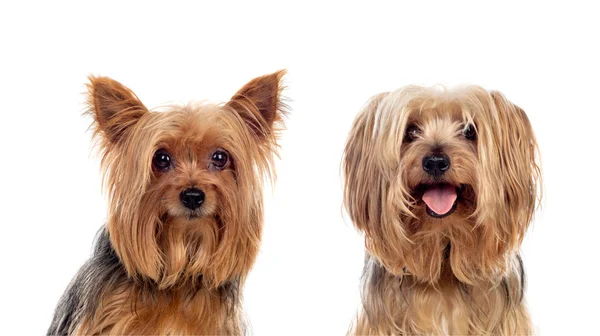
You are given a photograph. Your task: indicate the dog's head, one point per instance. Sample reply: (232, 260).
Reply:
(185, 185)
(434, 175)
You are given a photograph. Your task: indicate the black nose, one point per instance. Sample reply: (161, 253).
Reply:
(192, 198)
(436, 164)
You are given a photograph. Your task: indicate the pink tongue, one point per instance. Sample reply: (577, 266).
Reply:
(440, 198)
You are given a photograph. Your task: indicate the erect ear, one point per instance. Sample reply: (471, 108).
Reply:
(259, 103)
(115, 108)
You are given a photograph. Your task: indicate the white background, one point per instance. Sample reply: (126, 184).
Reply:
(543, 57)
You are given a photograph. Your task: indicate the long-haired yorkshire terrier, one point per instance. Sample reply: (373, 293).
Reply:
(444, 184)
(185, 212)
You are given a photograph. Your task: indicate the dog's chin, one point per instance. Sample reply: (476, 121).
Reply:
(194, 216)
(440, 200)
(434, 214)
(197, 215)
(186, 215)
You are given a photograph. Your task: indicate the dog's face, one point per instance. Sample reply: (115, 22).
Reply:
(439, 164)
(185, 184)
(441, 179)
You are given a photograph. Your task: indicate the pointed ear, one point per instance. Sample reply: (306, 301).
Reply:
(259, 104)
(115, 108)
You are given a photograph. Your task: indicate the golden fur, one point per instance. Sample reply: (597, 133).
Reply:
(460, 274)
(183, 270)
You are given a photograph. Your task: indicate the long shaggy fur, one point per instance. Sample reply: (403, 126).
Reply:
(460, 274)
(159, 268)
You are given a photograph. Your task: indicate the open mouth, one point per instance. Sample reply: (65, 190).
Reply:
(440, 199)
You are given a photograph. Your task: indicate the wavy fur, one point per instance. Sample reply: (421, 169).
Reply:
(159, 268)
(426, 275)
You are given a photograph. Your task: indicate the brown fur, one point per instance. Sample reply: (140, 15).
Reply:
(454, 275)
(180, 268)
(130, 309)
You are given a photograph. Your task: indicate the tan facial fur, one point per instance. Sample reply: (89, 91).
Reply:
(470, 250)
(180, 269)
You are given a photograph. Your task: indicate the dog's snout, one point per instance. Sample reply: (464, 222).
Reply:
(436, 164)
(192, 198)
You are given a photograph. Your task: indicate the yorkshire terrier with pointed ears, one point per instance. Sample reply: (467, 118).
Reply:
(185, 212)
(444, 184)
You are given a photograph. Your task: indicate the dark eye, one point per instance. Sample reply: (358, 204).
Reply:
(161, 160)
(220, 159)
(412, 133)
(470, 133)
